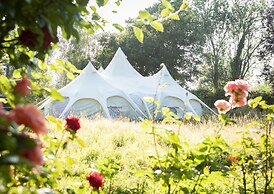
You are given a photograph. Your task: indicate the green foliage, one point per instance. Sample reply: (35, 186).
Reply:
(138, 33)
(209, 96)
(177, 47)
(265, 91)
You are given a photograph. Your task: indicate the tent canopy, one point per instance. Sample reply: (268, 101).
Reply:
(120, 91)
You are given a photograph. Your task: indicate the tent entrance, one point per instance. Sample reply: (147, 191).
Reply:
(86, 107)
(57, 107)
(175, 105)
(196, 106)
(114, 112)
(120, 107)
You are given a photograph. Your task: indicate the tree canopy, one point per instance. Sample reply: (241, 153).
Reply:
(213, 42)
(178, 47)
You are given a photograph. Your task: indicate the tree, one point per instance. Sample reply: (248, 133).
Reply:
(267, 52)
(246, 34)
(78, 52)
(214, 18)
(178, 47)
(232, 30)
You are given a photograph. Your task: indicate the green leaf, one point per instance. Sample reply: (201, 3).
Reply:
(188, 116)
(119, 27)
(255, 102)
(70, 161)
(165, 12)
(196, 118)
(3, 100)
(55, 94)
(206, 171)
(146, 125)
(93, 8)
(156, 102)
(184, 6)
(101, 3)
(42, 65)
(149, 99)
(174, 16)
(157, 26)
(70, 75)
(81, 142)
(167, 4)
(165, 110)
(17, 74)
(138, 33)
(60, 62)
(4, 81)
(144, 14)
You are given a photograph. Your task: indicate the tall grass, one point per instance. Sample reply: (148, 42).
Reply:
(126, 146)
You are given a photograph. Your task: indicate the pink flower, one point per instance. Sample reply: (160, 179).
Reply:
(95, 180)
(238, 87)
(34, 155)
(72, 123)
(22, 87)
(232, 159)
(241, 94)
(243, 85)
(223, 106)
(30, 116)
(230, 88)
(237, 102)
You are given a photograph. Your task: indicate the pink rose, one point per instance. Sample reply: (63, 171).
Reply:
(22, 87)
(30, 116)
(223, 106)
(34, 155)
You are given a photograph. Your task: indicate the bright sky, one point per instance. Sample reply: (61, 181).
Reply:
(127, 9)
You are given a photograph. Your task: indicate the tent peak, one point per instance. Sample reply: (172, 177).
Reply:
(120, 66)
(89, 68)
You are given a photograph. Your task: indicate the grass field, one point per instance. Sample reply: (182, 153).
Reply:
(122, 148)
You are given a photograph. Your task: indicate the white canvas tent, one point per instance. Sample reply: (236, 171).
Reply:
(89, 94)
(161, 87)
(120, 91)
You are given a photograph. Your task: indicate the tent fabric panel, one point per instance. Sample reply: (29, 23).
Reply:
(151, 108)
(57, 107)
(119, 107)
(139, 102)
(86, 107)
(197, 107)
(175, 105)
